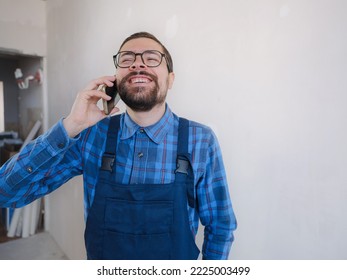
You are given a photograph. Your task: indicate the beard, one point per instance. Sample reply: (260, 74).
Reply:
(141, 98)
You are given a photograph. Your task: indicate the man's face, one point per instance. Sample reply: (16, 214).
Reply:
(142, 87)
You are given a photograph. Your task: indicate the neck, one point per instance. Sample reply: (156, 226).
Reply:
(145, 119)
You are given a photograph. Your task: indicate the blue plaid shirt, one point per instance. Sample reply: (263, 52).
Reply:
(145, 155)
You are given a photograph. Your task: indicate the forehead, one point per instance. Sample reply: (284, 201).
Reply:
(141, 44)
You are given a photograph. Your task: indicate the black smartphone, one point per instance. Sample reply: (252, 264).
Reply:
(113, 92)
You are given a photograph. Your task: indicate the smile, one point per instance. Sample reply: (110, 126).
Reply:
(139, 80)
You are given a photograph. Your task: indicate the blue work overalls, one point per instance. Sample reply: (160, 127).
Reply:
(141, 221)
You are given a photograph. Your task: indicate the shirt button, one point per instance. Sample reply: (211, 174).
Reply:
(29, 169)
(140, 154)
(142, 130)
(61, 145)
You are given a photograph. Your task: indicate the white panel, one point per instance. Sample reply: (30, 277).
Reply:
(268, 76)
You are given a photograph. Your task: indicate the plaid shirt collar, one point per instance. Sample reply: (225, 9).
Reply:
(155, 132)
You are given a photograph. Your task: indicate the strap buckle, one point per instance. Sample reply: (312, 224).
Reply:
(107, 162)
(182, 166)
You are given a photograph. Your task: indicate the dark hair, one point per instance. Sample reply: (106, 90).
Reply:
(152, 37)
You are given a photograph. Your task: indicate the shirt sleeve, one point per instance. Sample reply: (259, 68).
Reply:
(42, 166)
(214, 205)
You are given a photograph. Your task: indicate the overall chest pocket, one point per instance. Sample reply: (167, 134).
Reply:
(138, 230)
(138, 217)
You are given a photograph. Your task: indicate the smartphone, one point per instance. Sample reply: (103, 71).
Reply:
(113, 92)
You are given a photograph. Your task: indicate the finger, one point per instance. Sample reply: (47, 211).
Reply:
(95, 95)
(107, 80)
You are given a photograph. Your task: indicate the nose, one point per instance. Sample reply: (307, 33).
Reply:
(138, 63)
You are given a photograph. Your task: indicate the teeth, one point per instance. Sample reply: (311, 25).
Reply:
(139, 80)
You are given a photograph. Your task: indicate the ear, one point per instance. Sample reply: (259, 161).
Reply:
(171, 79)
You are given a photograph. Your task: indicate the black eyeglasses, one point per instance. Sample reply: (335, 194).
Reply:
(150, 58)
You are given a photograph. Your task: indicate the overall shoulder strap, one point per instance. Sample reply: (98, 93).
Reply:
(111, 144)
(184, 170)
(183, 156)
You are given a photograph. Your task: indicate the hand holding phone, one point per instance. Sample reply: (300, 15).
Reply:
(113, 92)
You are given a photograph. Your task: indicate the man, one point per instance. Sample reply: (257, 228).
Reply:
(149, 176)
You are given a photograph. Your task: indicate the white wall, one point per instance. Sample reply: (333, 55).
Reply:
(23, 26)
(268, 76)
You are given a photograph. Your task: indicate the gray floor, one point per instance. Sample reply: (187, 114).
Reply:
(40, 246)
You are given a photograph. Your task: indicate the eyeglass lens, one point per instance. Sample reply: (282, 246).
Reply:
(149, 58)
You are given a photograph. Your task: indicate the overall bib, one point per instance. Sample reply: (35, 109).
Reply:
(142, 221)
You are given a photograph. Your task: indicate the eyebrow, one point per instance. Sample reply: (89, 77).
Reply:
(141, 51)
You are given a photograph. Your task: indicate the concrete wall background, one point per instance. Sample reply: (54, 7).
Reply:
(23, 26)
(269, 77)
